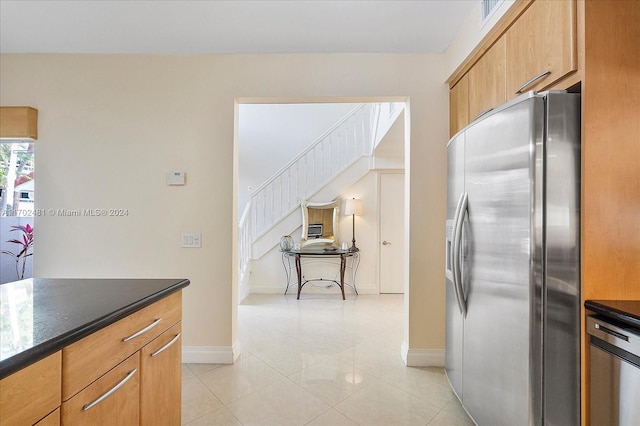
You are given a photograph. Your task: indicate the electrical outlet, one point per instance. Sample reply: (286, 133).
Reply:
(191, 239)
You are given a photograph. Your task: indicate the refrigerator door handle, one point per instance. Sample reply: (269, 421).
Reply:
(455, 253)
(457, 261)
(452, 252)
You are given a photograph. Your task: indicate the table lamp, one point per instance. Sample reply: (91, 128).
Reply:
(353, 207)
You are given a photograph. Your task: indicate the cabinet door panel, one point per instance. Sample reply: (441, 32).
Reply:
(120, 407)
(542, 40)
(487, 80)
(459, 105)
(161, 375)
(28, 395)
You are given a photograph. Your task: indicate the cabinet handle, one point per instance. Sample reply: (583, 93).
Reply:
(165, 347)
(110, 392)
(144, 330)
(527, 83)
(611, 332)
(483, 113)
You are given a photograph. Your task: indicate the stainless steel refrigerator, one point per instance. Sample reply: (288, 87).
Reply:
(513, 263)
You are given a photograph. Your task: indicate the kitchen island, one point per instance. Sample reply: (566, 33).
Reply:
(68, 342)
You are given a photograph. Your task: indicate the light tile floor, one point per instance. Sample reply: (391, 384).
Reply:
(319, 361)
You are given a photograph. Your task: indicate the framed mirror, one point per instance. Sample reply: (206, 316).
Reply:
(320, 223)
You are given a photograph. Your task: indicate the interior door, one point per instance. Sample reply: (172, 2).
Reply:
(391, 242)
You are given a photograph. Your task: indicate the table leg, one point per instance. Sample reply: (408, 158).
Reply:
(343, 266)
(286, 264)
(355, 262)
(299, 271)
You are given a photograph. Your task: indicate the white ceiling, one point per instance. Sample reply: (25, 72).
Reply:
(236, 26)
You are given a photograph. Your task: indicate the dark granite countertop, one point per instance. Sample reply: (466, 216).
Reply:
(624, 311)
(40, 316)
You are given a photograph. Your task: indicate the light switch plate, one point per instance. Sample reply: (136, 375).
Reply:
(191, 240)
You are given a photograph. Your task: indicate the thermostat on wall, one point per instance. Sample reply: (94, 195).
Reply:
(175, 178)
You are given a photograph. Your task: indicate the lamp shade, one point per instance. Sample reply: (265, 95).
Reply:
(353, 206)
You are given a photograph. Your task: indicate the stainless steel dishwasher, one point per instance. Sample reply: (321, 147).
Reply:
(615, 373)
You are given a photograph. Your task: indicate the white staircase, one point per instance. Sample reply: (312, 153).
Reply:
(322, 171)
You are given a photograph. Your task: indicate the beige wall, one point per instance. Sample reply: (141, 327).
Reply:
(111, 126)
(470, 34)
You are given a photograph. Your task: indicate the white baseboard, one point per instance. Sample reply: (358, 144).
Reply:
(210, 354)
(293, 288)
(422, 357)
(264, 289)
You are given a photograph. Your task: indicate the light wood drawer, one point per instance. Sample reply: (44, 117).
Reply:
(52, 419)
(113, 399)
(28, 395)
(87, 359)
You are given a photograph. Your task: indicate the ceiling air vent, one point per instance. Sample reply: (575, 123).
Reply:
(487, 8)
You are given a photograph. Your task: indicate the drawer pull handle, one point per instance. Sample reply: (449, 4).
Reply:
(110, 392)
(527, 83)
(611, 332)
(144, 330)
(165, 347)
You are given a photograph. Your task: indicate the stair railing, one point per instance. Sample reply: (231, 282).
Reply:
(386, 116)
(329, 155)
(244, 241)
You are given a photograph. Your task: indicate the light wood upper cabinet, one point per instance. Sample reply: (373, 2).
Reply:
(459, 105)
(487, 80)
(18, 122)
(541, 41)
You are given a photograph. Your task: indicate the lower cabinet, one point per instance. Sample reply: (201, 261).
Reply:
(128, 373)
(31, 394)
(144, 389)
(113, 399)
(88, 359)
(52, 419)
(160, 375)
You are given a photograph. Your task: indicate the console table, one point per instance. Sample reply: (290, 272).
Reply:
(322, 252)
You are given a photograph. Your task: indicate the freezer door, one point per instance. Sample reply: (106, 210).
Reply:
(454, 319)
(500, 387)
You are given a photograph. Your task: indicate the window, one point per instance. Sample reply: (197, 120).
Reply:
(16, 210)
